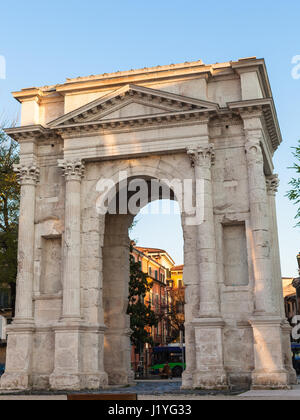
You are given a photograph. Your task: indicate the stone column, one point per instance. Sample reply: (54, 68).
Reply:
(28, 178)
(272, 188)
(70, 331)
(259, 217)
(202, 159)
(20, 333)
(272, 184)
(73, 171)
(266, 323)
(210, 373)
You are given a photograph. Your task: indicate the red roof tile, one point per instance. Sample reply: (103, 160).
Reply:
(151, 250)
(177, 268)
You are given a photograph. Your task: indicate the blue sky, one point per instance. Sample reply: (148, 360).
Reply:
(45, 42)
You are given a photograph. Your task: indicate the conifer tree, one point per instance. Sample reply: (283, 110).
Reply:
(142, 317)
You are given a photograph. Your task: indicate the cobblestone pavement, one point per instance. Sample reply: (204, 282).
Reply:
(150, 388)
(167, 390)
(145, 388)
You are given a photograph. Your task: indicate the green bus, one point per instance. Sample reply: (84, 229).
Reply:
(175, 356)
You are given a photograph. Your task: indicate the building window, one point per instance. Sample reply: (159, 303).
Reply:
(156, 275)
(150, 298)
(170, 283)
(180, 284)
(150, 271)
(179, 308)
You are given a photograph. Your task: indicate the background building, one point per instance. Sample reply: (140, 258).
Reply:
(157, 263)
(291, 302)
(176, 314)
(291, 293)
(166, 298)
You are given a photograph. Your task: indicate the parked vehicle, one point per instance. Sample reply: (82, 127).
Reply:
(174, 356)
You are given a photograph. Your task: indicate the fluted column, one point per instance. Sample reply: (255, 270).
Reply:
(259, 216)
(73, 171)
(206, 370)
(28, 176)
(18, 368)
(267, 324)
(202, 159)
(272, 184)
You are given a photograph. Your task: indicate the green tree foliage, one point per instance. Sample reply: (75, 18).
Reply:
(142, 318)
(294, 193)
(9, 213)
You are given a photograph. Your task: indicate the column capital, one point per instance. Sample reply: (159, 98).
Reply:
(27, 175)
(203, 156)
(272, 183)
(73, 170)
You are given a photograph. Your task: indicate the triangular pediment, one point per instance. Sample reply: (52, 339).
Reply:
(130, 109)
(131, 101)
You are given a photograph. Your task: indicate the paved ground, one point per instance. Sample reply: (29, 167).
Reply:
(170, 390)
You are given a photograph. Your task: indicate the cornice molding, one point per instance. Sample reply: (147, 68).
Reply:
(191, 111)
(146, 75)
(29, 94)
(264, 108)
(30, 133)
(151, 121)
(151, 97)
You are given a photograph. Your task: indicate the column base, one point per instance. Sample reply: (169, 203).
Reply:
(77, 382)
(117, 357)
(187, 380)
(273, 380)
(121, 378)
(18, 367)
(77, 364)
(15, 382)
(292, 375)
(212, 380)
(210, 373)
(270, 365)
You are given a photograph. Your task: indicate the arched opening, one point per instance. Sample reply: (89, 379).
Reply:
(149, 201)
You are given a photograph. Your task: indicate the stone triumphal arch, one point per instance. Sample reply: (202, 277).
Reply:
(215, 123)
